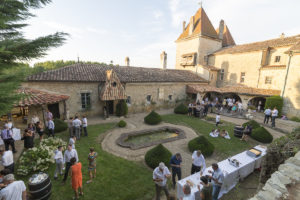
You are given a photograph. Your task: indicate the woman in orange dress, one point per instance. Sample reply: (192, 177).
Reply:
(76, 176)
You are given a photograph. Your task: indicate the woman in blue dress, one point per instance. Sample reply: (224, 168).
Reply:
(92, 164)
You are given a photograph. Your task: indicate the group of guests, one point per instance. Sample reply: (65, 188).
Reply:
(273, 114)
(211, 183)
(219, 133)
(77, 126)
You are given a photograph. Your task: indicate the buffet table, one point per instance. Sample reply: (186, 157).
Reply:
(16, 134)
(232, 174)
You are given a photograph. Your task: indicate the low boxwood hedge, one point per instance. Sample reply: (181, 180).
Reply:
(121, 108)
(201, 143)
(253, 124)
(59, 125)
(122, 123)
(295, 119)
(262, 135)
(153, 118)
(181, 109)
(156, 155)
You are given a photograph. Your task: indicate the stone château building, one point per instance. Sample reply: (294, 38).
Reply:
(271, 67)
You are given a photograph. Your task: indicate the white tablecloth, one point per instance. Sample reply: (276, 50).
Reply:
(16, 135)
(231, 174)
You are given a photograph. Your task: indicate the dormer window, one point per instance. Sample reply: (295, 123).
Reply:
(188, 59)
(277, 59)
(114, 84)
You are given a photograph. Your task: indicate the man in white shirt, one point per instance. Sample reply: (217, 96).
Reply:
(187, 193)
(240, 107)
(15, 190)
(7, 160)
(72, 141)
(218, 119)
(198, 162)
(69, 153)
(267, 115)
(51, 127)
(274, 115)
(217, 180)
(84, 125)
(58, 157)
(160, 176)
(76, 125)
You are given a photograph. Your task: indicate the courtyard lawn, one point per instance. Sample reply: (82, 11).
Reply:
(223, 148)
(117, 178)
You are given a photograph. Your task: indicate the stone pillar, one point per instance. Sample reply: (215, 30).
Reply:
(163, 60)
(191, 29)
(221, 29)
(127, 61)
(183, 26)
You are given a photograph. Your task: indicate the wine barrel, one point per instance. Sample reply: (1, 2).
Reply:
(238, 131)
(39, 187)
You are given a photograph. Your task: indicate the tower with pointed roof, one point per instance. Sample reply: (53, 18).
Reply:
(199, 39)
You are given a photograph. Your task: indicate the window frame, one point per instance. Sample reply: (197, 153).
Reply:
(150, 98)
(277, 59)
(170, 97)
(85, 100)
(268, 79)
(242, 78)
(222, 73)
(128, 100)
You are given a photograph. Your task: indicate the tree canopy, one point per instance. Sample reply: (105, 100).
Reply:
(15, 48)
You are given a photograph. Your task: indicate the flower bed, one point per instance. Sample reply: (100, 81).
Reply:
(39, 158)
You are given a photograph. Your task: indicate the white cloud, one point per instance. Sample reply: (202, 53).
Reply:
(157, 14)
(96, 30)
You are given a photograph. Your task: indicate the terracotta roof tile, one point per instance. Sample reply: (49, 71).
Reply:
(97, 73)
(38, 97)
(227, 37)
(256, 46)
(295, 48)
(202, 26)
(239, 89)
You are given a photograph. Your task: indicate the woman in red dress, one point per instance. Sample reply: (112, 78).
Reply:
(76, 176)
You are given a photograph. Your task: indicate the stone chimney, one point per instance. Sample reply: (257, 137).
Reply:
(221, 29)
(183, 26)
(191, 29)
(163, 60)
(282, 35)
(127, 61)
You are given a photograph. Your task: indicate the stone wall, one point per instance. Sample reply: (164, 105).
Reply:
(281, 181)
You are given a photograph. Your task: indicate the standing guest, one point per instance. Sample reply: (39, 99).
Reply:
(3, 173)
(51, 127)
(70, 126)
(206, 192)
(9, 124)
(15, 190)
(58, 157)
(69, 153)
(28, 138)
(259, 106)
(49, 115)
(40, 130)
(268, 113)
(176, 168)
(187, 193)
(274, 115)
(6, 135)
(240, 107)
(31, 127)
(160, 176)
(72, 141)
(218, 119)
(76, 175)
(190, 110)
(84, 125)
(76, 124)
(217, 179)
(7, 160)
(35, 119)
(198, 162)
(92, 164)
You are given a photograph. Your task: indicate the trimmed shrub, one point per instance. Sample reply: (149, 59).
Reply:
(274, 101)
(59, 125)
(181, 109)
(262, 135)
(201, 143)
(156, 155)
(253, 124)
(153, 118)
(295, 119)
(121, 108)
(122, 123)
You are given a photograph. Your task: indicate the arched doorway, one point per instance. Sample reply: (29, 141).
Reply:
(234, 96)
(256, 101)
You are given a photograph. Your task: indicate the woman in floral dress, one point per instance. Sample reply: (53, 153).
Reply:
(92, 164)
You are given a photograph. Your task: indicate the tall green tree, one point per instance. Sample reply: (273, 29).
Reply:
(15, 48)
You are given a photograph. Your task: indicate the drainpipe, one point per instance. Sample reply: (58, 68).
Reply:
(287, 73)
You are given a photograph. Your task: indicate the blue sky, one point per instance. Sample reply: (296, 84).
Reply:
(104, 30)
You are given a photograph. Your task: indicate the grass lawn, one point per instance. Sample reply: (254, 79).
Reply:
(223, 148)
(117, 178)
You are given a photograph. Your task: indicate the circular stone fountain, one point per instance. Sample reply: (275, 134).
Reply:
(149, 137)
